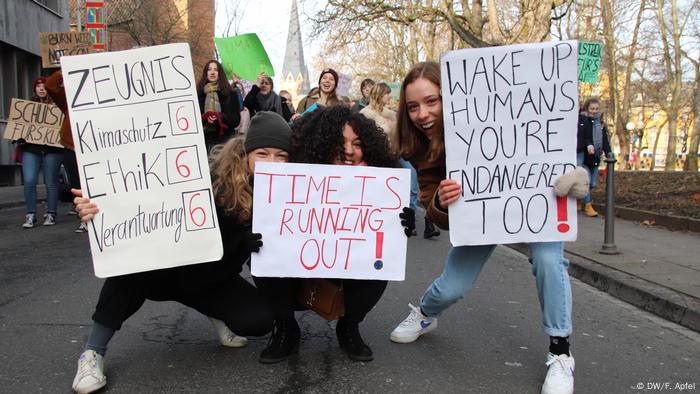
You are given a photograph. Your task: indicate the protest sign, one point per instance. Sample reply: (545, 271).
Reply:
(510, 118)
(589, 54)
(344, 82)
(245, 55)
(329, 221)
(68, 43)
(138, 138)
(395, 90)
(37, 123)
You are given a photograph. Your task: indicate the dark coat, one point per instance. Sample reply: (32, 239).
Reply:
(585, 138)
(230, 114)
(251, 102)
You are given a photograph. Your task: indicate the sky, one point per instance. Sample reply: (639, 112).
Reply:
(269, 19)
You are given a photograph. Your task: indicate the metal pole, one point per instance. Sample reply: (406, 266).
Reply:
(78, 16)
(609, 246)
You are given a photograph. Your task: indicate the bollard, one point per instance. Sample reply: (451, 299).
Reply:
(609, 242)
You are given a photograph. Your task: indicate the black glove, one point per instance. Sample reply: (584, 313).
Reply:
(408, 221)
(20, 141)
(252, 241)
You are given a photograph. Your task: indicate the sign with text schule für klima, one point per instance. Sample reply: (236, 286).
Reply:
(510, 117)
(141, 157)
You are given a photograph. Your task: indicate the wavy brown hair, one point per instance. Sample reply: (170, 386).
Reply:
(224, 88)
(376, 96)
(230, 179)
(410, 141)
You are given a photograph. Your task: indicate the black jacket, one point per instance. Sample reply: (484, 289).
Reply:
(251, 102)
(233, 235)
(230, 114)
(585, 138)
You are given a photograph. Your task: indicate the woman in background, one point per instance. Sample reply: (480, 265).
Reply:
(221, 112)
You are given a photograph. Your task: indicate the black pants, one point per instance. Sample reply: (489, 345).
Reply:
(360, 296)
(71, 165)
(234, 301)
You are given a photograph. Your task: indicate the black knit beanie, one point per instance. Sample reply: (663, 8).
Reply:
(268, 130)
(329, 71)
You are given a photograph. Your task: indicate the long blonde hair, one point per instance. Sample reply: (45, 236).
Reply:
(230, 179)
(376, 96)
(410, 141)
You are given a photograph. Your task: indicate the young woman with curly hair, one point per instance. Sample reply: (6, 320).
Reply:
(333, 135)
(215, 288)
(221, 110)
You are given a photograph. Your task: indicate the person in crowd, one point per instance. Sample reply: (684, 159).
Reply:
(221, 112)
(592, 143)
(262, 97)
(326, 96)
(34, 158)
(365, 87)
(421, 140)
(216, 288)
(379, 98)
(378, 110)
(239, 90)
(55, 89)
(345, 100)
(287, 100)
(330, 135)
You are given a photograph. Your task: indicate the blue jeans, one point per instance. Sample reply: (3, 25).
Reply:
(464, 263)
(413, 203)
(31, 164)
(592, 174)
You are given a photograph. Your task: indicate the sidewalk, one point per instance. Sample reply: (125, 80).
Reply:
(657, 270)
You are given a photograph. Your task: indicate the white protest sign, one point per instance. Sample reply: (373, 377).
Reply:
(136, 124)
(510, 117)
(344, 83)
(330, 221)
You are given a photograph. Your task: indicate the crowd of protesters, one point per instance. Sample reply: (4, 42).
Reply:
(242, 127)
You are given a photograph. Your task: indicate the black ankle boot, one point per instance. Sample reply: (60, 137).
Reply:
(284, 342)
(351, 342)
(430, 230)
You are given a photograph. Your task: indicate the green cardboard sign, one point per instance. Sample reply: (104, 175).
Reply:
(589, 55)
(245, 55)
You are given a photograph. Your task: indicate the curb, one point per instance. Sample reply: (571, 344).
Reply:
(674, 223)
(667, 303)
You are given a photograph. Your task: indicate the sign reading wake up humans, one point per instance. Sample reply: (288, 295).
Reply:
(138, 138)
(510, 116)
(329, 221)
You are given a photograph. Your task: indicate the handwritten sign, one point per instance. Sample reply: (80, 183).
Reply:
(245, 55)
(37, 123)
(344, 82)
(510, 118)
(54, 45)
(141, 155)
(329, 221)
(589, 54)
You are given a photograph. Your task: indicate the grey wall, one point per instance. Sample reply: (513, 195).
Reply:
(21, 21)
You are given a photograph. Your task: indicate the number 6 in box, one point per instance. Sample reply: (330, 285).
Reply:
(199, 212)
(182, 164)
(184, 118)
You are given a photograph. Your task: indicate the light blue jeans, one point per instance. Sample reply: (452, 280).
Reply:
(413, 202)
(464, 263)
(31, 164)
(592, 174)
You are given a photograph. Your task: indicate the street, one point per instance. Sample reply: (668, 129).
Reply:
(491, 342)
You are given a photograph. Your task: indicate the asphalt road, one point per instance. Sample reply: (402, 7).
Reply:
(491, 342)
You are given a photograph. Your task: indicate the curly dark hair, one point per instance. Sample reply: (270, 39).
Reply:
(318, 138)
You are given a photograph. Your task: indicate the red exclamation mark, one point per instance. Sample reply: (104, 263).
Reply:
(378, 264)
(562, 215)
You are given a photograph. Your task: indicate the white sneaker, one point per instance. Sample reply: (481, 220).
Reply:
(29, 220)
(560, 374)
(415, 325)
(90, 376)
(49, 219)
(227, 337)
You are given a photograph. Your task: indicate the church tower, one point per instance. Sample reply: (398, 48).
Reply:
(295, 75)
